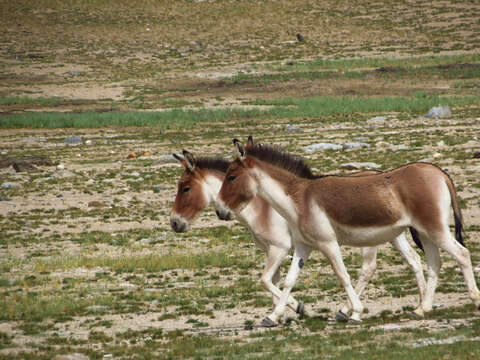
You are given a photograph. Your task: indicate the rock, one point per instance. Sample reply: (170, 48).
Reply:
(146, 153)
(73, 140)
(441, 143)
(300, 38)
(165, 159)
(97, 308)
(131, 156)
(75, 73)
(10, 185)
(377, 119)
(355, 145)
(383, 144)
(74, 356)
(88, 142)
(360, 166)
(476, 154)
(439, 112)
(34, 140)
(32, 160)
(90, 182)
(145, 241)
(61, 167)
(322, 146)
(293, 129)
(158, 188)
(23, 166)
(135, 173)
(5, 198)
(437, 155)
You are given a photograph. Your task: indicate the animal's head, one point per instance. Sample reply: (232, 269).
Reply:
(191, 198)
(239, 186)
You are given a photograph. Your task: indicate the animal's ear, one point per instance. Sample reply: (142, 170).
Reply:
(241, 153)
(189, 160)
(180, 159)
(249, 143)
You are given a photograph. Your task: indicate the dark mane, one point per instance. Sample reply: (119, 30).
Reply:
(215, 163)
(278, 157)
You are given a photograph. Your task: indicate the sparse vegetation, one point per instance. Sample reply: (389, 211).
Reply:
(88, 263)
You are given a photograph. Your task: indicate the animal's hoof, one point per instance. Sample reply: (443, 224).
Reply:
(341, 317)
(267, 323)
(301, 308)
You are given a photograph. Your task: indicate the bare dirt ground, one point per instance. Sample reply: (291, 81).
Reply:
(88, 262)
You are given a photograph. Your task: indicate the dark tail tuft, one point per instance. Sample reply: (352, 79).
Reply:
(416, 238)
(458, 229)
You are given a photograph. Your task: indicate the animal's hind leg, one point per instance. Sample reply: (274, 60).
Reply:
(462, 255)
(434, 263)
(369, 266)
(413, 259)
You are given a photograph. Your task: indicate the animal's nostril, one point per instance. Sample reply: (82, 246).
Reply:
(217, 212)
(174, 224)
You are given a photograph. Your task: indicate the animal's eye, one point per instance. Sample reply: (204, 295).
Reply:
(186, 189)
(231, 177)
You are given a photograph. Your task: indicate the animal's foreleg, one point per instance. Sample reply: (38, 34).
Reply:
(300, 257)
(331, 250)
(275, 256)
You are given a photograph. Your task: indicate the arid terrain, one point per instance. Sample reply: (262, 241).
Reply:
(96, 96)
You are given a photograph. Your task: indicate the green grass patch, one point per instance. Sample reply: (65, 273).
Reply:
(313, 107)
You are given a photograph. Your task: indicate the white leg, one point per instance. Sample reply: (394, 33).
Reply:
(331, 250)
(275, 256)
(413, 259)
(369, 266)
(300, 257)
(462, 256)
(434, 264)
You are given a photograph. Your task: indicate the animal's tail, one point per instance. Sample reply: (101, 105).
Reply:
(416, 238)
(457, 213)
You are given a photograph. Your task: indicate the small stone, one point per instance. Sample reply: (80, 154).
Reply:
(293, 129)
(60, 167)
(441, 143)
(165, 159)
(24, 167)
(74, 356)
(10, 185)
(73, 140)
(437, 155)
(476, 154)
(439, 112)
(146, 153)
(321, 146)
(97, 308)
(5, 199)
(145, 241)
(355, 145)
(377, 119)
(158, 188)
(360, 166)
(135, 173)
(75, 73)
(88, 142)
(131, 156)
(90, 182)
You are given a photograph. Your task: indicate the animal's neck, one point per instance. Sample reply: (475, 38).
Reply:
(276, 186)
(212, 184)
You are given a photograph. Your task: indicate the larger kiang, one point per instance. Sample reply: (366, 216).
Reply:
(325, 212)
